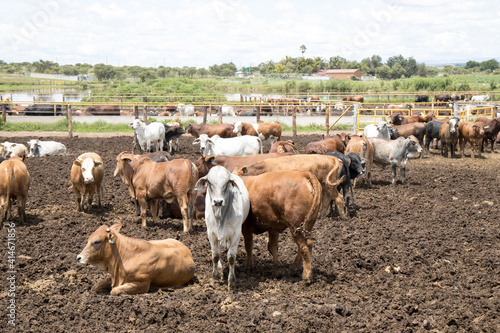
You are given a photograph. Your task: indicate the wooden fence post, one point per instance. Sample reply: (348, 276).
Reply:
(70, 120)
(136, 111)
(205, 114)
(4, 113)
(220, 114)
(145, 113)
(294, 124)
(257, 115)
(327, 119)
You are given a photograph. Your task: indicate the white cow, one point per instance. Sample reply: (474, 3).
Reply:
(237, 146)
(227, 204)
(185, 110)
(480, 98)
(9, 149)
(227, 110)
(45, 148)
(153, 133)
(86, 176)
(380, 130)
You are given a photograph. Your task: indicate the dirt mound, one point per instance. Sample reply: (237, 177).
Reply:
(424, 256)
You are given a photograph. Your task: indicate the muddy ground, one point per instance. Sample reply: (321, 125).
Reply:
(425, 256)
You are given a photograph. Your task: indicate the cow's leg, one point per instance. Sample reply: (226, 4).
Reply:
(403, 172)
(90, 197)
(215, 245)
(131, 288)
(231, 259)
(184, 204)
(148, 146)
(154, 210)
(339, 202)
(246, 230)
(304, 248)
(141, 199)
(394, 170)
(272, 245)
(78, 199)
(102, 286)
(21, 208)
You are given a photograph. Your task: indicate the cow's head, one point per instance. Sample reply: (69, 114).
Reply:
(204, 141)
(97, 251)
(135, 124)
(87, 167)
(204, 164)
(221, 188)
(356, 165)
(237, 128)
(412, 146)
(453, 123)
(34, 148)
(396, 119)
(123, 167)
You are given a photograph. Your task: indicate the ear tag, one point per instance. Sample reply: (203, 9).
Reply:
(112, 240)
(234, 190)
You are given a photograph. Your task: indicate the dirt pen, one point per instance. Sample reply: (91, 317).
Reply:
(423, 256)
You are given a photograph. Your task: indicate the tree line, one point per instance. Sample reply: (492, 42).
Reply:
(395, 67)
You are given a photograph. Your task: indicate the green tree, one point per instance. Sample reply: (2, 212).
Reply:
(303, 49)
(491, 64)
(471, 64)
(383, 72)
(104, 72)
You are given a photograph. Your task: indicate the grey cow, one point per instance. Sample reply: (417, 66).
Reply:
(394, 153)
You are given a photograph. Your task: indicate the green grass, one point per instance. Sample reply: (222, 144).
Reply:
(104, 127)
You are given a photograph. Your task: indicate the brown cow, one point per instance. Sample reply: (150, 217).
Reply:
(206, 162)
(448, 134)
(417, 129)
(222, 130)
(265, 131)
(325, 146)
(284, 147)
(364, 149)
(136, 265)
(281, 200)
(87, 174)
(326, 168)
(103, 110)
(14, 184)
(472, 133)
(491, 130)
(165, 180)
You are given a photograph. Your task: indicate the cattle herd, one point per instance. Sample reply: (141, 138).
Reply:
(236, 187)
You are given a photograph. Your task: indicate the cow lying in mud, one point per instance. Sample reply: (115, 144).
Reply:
(136, 265)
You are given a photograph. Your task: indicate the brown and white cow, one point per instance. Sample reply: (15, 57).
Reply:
(416, 129)
(448, 134)
(473, 134)
(326, 168)
(265, 131)
(87, 174)
(364, 149)
(14, 184)
(222, 130)
(325, 146)
(136, 265)
(282, 200)
(153, 181)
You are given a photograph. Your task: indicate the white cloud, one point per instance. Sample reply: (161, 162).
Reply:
(200, 33)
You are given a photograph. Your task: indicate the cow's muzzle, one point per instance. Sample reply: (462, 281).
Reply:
(218, 203)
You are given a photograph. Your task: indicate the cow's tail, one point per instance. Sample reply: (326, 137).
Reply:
(260, 144)
(316, 192)
(192, 192)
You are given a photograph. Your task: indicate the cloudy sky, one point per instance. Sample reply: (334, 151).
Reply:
(247, 32)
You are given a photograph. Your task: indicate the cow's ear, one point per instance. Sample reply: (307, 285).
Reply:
(232, 180)
(77, 163)
(116, 227)
(23, 157)
(201, 184)
(98, 164)
(196, 141)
